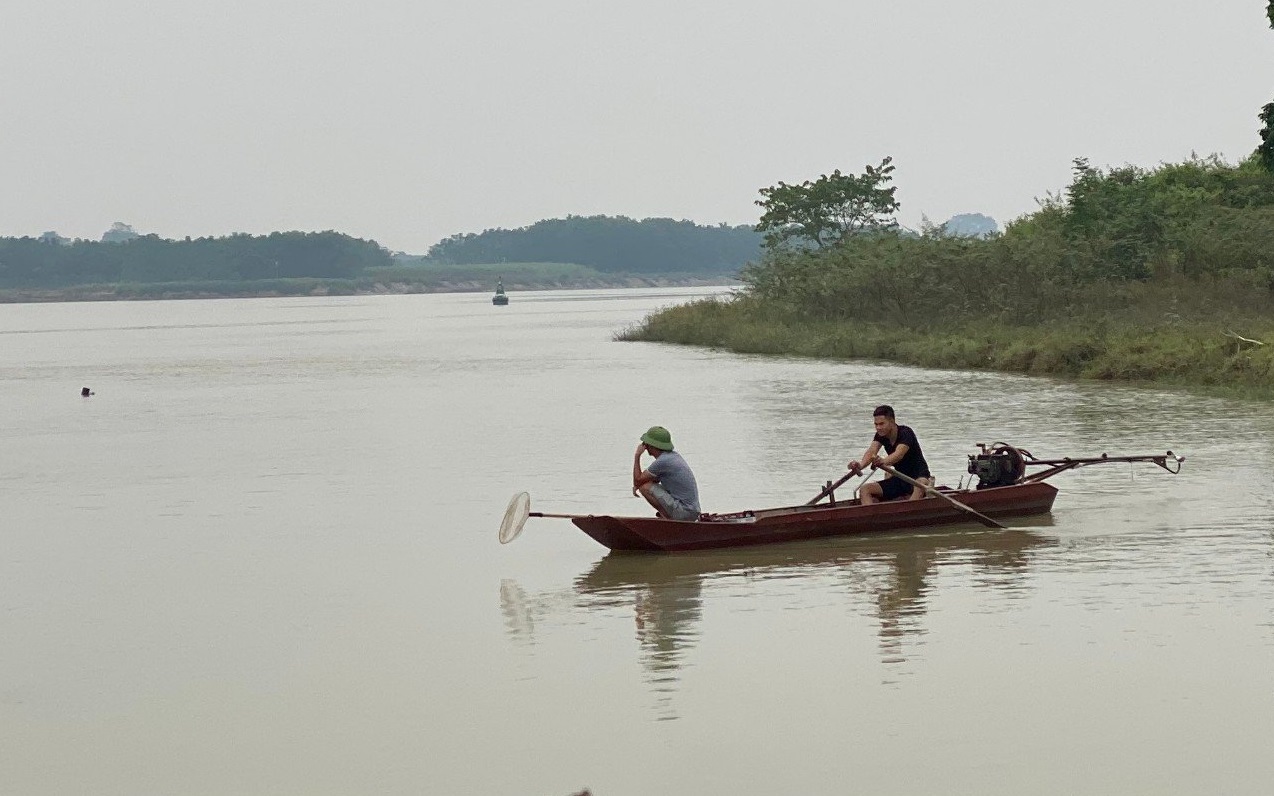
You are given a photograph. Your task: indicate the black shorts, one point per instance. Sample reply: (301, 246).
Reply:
(892, 488)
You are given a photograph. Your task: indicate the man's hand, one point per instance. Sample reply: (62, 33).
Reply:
(855, 467)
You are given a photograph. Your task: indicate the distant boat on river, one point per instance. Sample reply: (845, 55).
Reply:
(499, 299)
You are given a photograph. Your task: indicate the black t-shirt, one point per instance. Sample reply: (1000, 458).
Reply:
(913, 464)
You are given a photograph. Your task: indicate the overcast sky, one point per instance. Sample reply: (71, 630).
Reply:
(406, 121)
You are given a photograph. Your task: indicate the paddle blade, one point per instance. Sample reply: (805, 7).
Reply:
(515, 517)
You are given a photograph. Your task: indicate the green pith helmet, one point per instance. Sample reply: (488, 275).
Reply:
(658, 437)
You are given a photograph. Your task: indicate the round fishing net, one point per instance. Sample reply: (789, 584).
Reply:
(515, 517)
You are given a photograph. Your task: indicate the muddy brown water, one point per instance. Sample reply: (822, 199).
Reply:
(262, 558)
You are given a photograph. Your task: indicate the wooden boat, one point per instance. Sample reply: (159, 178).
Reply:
(790, 523)
(1005, 488)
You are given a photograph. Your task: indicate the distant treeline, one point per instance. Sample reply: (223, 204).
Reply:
(610, 244)
(602, 245)
(50, 263)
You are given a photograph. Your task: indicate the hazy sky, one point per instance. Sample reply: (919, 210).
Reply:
(408, 121)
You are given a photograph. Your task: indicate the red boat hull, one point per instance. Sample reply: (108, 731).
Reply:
(770, 526)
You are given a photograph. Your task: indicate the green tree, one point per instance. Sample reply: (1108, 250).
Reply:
(828, 210)
(1266, 150)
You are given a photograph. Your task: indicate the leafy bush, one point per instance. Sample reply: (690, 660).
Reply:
(1130, 274)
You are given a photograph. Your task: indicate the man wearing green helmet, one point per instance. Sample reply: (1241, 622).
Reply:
(668, 484)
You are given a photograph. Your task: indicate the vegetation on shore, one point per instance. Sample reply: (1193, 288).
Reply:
(479, 277)
(610, 244)
(54, 262)
(533, 276)
(1163, 275)
(125, 265)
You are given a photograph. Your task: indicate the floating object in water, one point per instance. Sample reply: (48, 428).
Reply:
(499, 299)
(86, 392)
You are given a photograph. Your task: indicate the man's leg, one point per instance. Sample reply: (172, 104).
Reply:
(889, 489)
(870, 494)
(918, 492)
(648, 492)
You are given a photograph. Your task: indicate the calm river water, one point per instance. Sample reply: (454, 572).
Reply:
(262, 559)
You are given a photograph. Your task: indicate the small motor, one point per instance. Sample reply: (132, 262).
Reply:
(1002, 465)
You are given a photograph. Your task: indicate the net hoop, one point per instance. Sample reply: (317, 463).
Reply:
(515, 517)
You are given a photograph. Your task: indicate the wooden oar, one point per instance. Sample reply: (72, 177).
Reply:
(982, 518)
(827, 490)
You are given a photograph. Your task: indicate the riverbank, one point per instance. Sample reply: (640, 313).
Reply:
(1204, 355)
(336, 287)
(1163, 277)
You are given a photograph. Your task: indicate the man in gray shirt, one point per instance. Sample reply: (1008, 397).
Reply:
(668, 484)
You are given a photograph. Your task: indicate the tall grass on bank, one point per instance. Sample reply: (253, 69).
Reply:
(1173, 351)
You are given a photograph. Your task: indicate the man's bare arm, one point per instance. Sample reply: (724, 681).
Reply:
(869, 456)
(899, 452)
(640, 476)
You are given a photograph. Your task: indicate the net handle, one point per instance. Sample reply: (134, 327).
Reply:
(516, 514)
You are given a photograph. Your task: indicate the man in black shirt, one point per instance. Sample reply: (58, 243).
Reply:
(902, 452)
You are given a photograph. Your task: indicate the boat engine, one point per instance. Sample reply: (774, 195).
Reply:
(1001, 465)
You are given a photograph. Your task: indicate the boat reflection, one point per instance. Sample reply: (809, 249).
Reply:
(894, 573)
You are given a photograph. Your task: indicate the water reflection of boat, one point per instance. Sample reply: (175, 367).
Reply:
(666, 591)
(892, 576)
(500, 298)
(992, 548)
